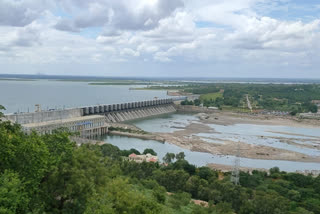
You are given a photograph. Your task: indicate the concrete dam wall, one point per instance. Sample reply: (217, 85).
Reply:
(92, 120)
(44, 116)
(132, 114)
(130, 111)
(113, 112)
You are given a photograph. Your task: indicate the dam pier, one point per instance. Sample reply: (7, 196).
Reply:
(90, 121)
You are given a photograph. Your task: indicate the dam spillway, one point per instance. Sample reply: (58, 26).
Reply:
(130, 111)
(90, 120)
(132, 114)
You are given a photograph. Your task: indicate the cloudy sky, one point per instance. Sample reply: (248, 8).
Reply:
(180, 38)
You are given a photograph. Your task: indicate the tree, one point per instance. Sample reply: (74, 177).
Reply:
(183, 164)
(172, 180)
(316, 184)
(159, 193)
(110, 151)
(72, 182)
(312, 204)
(26, 155)
(169, 157)
(1, 108)
(274, 170)
(193, 185)
(269, 203)
(118, 196)
(223, 208)
(180, 156)
(294, 112)
(126, 153)
(13, 198)
(198, 209)
(59, 145)
(150, 151)
(180, 199)
(99, 204)
(206, 173)
(299, 179)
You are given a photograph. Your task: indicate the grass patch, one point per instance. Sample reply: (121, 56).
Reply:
(211, 96)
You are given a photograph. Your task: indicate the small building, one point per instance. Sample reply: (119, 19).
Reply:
(141, 158)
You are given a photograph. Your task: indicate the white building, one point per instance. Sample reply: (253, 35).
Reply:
(141, 158)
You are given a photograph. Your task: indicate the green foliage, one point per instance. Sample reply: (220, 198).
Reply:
(110, 151)
(292, 98)
(211, 96)
(99, 204)
(1, 108)
(72, 182)
(159, 193)
(312, 204)
(126, 153)
(26, 155)
(169, 157)
(184, 165)
(180, 156)
(187, 102)
(13, 197)
(206, 173)
(265, 203)
(172, 180)
(150, 151)
(223, 208)
(179, 199)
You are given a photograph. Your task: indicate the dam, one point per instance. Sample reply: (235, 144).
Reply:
(90, 120)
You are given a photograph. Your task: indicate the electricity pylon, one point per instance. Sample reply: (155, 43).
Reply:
(236, 168)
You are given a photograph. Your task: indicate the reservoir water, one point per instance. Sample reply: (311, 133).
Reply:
(23, 95)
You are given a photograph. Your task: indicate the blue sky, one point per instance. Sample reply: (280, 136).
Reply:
(207, 38)
(304, 10)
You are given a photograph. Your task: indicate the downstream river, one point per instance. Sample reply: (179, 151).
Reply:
(22, 96)
(249, 133)
(202, 159)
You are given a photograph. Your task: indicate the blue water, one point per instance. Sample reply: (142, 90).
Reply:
(267, 135)
(23, 95)
(166, 124)
(202, 159)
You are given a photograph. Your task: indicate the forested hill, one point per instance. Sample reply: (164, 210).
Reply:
(50, 174)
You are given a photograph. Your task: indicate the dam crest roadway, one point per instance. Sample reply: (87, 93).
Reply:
(90, 120)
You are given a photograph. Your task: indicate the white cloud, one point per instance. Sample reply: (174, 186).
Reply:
(234, 33)
(21, 13)
(129, 52)
(117, 14)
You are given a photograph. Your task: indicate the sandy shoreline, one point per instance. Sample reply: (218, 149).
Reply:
(187, 137)
(231, 118)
